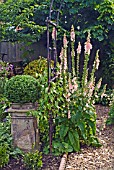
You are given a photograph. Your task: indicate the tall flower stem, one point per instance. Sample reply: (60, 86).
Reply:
(95, 66)
(77, 59)
(85, 71)
(73, 58)
(72, 36)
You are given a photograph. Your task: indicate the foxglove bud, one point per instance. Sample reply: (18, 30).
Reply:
(72, 34)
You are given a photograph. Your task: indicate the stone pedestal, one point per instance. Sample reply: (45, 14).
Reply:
(24, 128)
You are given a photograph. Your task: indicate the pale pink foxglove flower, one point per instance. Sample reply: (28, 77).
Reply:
(72, 34)
(65, 42)
(74, 85)
(61, 54)
(65, 63)
(99, 83)
(103, 92)
(54, 33)
(70, 85)
(88, 46)
(91, 85)
(79, 48)
(97, 63)
(91, 88)
(61, 59)
(103, 95)
(68, 97)
(90, 92)
(69, 115)
(74, 79)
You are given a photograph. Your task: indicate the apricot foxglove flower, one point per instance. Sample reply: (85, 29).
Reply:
(88, 47)
(72, 34)
(103, 91)
(97, 63)
(65, 63)
(69, 115)
(99, 83)
(61, 54)
(70, 85)
(65, 42)
(79, 48)
(54, 33)
(91, 85)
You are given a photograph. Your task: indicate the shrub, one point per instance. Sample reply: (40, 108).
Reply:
(36, 67)
(22, 89)
(110, 120)
(33, 160)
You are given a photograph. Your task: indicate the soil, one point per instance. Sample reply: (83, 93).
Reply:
(89, 158)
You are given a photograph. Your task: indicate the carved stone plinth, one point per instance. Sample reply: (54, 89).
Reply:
(24, 128)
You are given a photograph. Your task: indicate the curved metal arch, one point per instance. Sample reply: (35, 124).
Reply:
(49, 22)
(49, 49)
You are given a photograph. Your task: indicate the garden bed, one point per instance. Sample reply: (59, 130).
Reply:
(89, 158)
(96, 158)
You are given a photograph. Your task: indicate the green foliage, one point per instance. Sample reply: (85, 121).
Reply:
(22, 89)
(110, 120)
(5, 71)
(97, 16)
(36, 68)
(6, 148)
(22, 14)
(79, 129)
(5, 142)
(33, 160)
(31, 15)
(4, 156)
(105, 99)
(3, 81)
(5, 135)
(108, 64)
(4, 103)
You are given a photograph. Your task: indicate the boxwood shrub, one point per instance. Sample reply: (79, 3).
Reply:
(38, 67)
(22, 89)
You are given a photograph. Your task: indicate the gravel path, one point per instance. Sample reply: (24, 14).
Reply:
(91, 158)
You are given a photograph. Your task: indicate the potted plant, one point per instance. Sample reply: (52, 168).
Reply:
(22, 91)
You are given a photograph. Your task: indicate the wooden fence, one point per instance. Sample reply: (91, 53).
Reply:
(15, 52)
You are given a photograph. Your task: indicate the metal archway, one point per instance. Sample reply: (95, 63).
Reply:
(49, 49)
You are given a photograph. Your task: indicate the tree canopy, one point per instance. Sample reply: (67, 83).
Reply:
(29, 16)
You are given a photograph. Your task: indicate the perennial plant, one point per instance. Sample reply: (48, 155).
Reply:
(70, 102)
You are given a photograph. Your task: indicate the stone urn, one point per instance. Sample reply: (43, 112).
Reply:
(22, 91)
